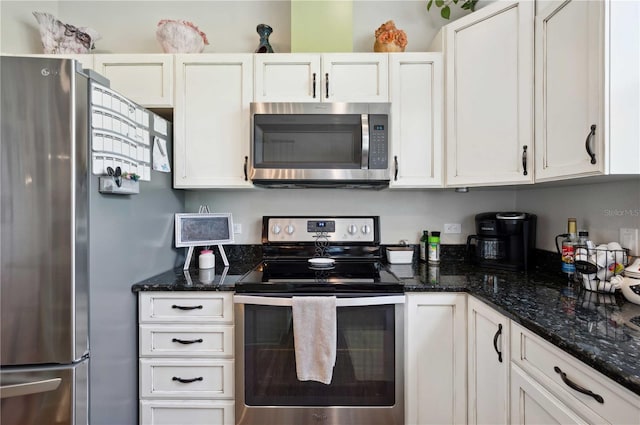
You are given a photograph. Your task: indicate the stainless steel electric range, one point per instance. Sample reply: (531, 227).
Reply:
(320, 256)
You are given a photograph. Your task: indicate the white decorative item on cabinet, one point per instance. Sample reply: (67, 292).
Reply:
(489, 95)
(587, 89)
(329, 77)
(415, 93)
(564, 381)
(435, 359)
(146, 79)
(211, 120)
(186, 353)
(488, 364)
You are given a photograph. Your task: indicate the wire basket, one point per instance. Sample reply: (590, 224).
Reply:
(598, 268)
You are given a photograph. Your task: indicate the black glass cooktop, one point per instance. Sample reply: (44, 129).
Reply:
(300, 276)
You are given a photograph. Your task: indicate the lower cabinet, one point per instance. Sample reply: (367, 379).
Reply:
(435, 359)
(186, 366)
(488, 364)
(547, 383)
(531, 403)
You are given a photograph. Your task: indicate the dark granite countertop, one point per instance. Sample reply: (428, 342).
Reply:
(601, 330)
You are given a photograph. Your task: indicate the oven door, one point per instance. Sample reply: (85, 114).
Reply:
(367, 384)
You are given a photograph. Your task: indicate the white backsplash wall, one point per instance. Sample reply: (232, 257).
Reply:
(403, 214)
(600, 208)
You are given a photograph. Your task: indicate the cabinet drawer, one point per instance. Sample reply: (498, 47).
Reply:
(192, 412)
(210, 378)
(540, 359)
(192, 341)
(194, 307)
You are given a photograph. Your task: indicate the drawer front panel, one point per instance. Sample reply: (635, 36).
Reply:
(191, 341)
(192, 412)
(540, 359)
(156, 307)
(211, 378)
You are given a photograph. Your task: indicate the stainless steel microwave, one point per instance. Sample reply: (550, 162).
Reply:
(320, 144)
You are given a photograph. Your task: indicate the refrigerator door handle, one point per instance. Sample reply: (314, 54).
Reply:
(26, 388)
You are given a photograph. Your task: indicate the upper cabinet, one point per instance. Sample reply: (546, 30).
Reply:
(211, 120)
(415, 92)
(489, 95)
(587, 89)
(146, 79)
(335, 77)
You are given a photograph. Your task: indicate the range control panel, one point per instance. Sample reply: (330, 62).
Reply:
(308, 229)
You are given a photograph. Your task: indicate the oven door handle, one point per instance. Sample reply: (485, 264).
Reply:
(340, 302)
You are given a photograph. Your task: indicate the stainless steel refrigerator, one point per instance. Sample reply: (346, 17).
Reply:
(45, 242)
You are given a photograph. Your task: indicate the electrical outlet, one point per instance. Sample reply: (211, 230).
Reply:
(237, 228)
(453, 228)
(629, 239)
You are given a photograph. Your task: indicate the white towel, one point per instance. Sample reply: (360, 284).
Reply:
(314, 337)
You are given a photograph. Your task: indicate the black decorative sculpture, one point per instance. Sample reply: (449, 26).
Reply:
(264, 31)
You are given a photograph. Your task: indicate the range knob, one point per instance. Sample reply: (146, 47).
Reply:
(289, 229)
(366, 229)
(352, 229)
(276, 229)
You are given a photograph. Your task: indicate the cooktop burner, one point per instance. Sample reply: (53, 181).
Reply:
(300, 276)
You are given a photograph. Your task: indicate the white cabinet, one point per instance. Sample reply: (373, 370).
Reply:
(331, 77)
(563, 387)
(435, 359)
(489, 57)
(146, 79)
(211, 120)
(488, 364)
(587, 88)
(415, 92)
(186, 366)
(532, 404)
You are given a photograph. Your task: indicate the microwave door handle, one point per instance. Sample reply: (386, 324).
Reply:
(364, 122)
(340, 302)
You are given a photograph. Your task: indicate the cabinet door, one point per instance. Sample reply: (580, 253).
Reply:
(192, 412)
(532, 404)
(146, 79)
(569, 81)
(355, 77)
(435, 359)
(283, 77)
(489, 95)
(488, 361)
(211, 120)
(415, 91)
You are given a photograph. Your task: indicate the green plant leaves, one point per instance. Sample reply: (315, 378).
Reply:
(445, 12)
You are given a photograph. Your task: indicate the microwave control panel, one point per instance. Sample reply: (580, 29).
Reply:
(378, 141)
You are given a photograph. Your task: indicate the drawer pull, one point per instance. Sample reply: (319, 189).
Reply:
(188, 307)
(495, 342)
(186, 341)
(577, 387)
(587, 144)
(187, 381)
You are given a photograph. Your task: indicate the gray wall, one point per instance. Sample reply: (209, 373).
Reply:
(600, 207)
(131, 239)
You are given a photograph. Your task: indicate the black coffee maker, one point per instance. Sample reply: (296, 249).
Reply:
(504, 240)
